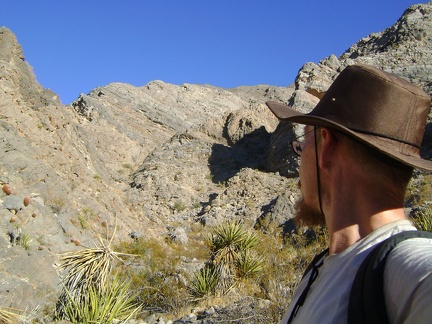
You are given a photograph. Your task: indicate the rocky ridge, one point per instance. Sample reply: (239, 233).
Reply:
(151, 161)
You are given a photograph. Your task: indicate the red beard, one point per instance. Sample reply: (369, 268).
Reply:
(307, 215)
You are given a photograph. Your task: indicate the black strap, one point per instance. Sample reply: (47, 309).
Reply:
(367, 302)
(313, 268)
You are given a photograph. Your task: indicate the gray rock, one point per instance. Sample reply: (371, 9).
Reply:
(178, 235)
(13, 203)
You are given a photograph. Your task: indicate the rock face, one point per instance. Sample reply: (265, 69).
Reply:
(155, 159)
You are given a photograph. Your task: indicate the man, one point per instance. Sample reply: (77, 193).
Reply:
(360, 146)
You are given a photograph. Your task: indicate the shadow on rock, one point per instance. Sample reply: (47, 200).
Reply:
(251, 151)
(280, 156)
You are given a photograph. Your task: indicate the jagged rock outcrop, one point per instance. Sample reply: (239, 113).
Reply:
(151, 161)
(404, 49)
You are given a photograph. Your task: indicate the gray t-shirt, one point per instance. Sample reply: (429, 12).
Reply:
(407, 285)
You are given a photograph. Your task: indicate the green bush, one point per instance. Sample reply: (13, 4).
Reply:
(248, 264)
(232, 235)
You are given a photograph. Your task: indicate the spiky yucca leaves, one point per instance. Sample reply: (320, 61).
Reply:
(11, 316)
(205, 281)
(248, 264)
(85, 268)
(89, 277)
(231, 245)
(112, 304)
(231, 236)
(227, 240)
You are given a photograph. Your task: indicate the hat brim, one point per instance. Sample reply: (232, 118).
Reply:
(383, 145)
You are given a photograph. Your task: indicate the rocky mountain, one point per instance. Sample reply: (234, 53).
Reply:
(152, 161)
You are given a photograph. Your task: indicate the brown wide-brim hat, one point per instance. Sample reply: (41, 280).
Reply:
(373, 106)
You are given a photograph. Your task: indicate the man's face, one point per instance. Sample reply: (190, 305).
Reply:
(307, 207)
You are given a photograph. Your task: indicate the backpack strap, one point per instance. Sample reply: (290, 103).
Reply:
(313, 268)
(314, 261)
(367, 302)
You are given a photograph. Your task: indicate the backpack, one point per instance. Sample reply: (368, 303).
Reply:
(367, 303)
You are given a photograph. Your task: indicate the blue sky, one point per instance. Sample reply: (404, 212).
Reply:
(75, 46)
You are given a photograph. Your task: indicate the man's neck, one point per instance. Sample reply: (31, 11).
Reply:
(348, 223)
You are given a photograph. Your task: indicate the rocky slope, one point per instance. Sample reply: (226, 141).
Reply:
(148, 161)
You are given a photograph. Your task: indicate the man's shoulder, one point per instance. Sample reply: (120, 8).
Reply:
(413, 254)
(408, 280)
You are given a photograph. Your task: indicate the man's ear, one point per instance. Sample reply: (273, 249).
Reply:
(327, 146)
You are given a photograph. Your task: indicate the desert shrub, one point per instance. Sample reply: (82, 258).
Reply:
(179, 206)
(248, 264)
(85, 216)
(286, 258)
(271, 276)
(156, 280)
(229, 238)
(419, 190)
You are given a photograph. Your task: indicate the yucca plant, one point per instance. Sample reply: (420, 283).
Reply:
(230, 245)
(228, 239)
(248, 264)
(204, 281)
(85, 268)
(113, 304)
(88, 284)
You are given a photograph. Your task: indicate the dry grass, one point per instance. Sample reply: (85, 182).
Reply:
(11, 316)
(25, 241)
(286, 260)
(156, 274)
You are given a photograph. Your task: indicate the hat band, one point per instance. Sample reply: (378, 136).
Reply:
(385, 136)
